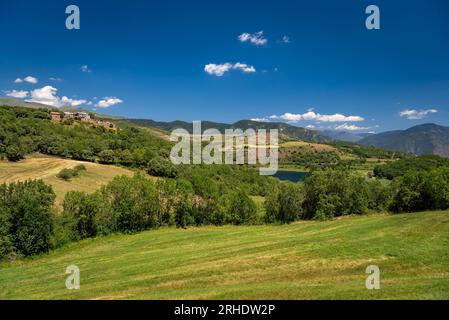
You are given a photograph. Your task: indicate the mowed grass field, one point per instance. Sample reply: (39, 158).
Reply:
(46, 168)
(304, 260)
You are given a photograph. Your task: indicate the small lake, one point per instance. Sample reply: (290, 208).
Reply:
(293, 176)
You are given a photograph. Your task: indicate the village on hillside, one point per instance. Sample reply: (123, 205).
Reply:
(57, 117)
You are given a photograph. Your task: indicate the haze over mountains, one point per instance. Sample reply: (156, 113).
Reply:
(422, 139)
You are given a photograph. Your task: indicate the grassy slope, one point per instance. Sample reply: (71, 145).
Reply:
(304, 260)
(46, 168)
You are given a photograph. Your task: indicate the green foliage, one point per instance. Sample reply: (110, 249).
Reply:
(14, 153)
(332, 193)
(422, 190)
(380, 195)
(184, 213)
(26, 218)
(312, 160)
(160, 167)
(67, 174)
(284, 204)
(401, 167)
(241, 209)
(366, 151)
(134, 202)
(26, 130)
(79, 214)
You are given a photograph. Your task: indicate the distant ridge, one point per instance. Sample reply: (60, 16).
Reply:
(345, 136)
(427, 138)
(286, 131)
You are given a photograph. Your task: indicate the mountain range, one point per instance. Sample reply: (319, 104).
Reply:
(422, 139)
(286, 131)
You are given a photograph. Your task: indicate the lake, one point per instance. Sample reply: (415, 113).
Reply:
(293, 176)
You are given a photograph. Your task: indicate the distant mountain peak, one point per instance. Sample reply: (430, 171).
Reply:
(427, 138)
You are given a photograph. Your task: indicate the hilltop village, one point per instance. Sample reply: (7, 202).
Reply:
(57, 117)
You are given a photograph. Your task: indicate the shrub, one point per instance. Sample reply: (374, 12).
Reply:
(65, 174)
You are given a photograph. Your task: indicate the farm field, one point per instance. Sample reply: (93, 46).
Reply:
(46, 168)
(304, 260)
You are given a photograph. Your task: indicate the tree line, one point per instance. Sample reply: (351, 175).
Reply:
(29, 225)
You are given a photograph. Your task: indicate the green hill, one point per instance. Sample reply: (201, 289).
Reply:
(305, 260)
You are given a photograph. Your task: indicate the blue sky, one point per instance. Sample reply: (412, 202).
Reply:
(147, 59)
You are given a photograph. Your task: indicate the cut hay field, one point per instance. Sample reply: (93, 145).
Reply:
(46, 168)
(304, 260)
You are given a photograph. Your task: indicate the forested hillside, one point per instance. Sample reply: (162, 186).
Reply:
(24, 131)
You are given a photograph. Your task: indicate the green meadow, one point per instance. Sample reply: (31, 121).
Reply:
(303, 260)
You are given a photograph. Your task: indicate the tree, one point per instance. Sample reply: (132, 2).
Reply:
(291, 199)
(339, 191)
(183, 216)
(80, 210)
(27, 219)
(241, 208)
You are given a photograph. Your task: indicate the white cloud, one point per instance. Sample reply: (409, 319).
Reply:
(46, 95)
(289, 117)
(312, 116)
(86, 69)
(108, 101)
(244, 67)
(310, 126)
(55, 79)
(220, 69)
(28, 79)
(255, 38)
(20, 94)
(285, 39)
(73, 102)
(217, 69)
(350, 127)
(413, 114)
(260, 119)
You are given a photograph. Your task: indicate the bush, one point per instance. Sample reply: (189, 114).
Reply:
(67, 174)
